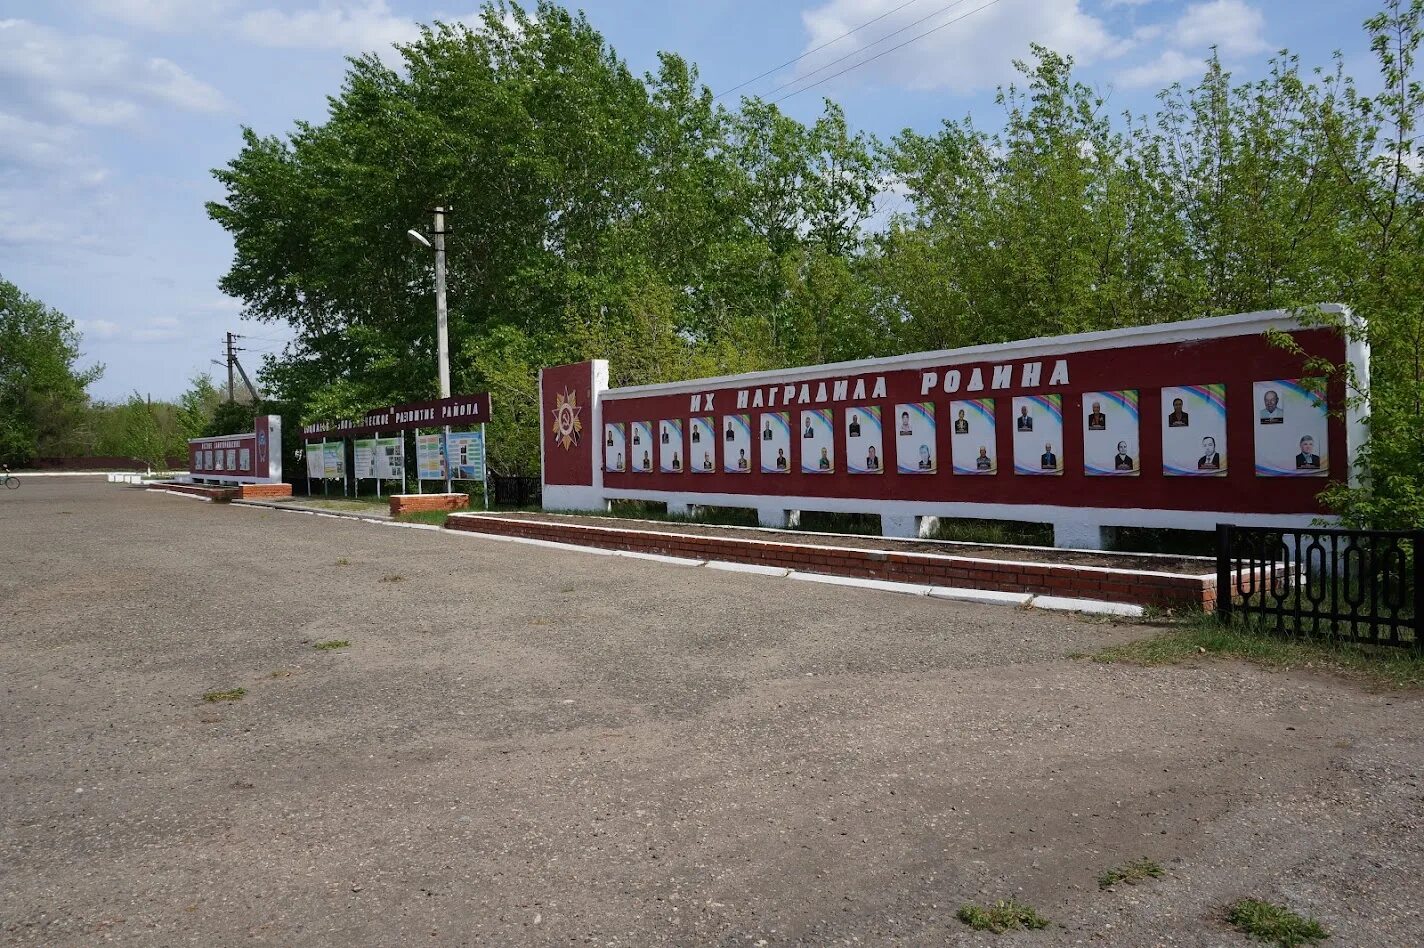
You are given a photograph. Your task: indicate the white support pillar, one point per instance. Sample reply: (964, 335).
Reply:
(1080, 535)
(778, 517)
(908, 526)
(681, 510)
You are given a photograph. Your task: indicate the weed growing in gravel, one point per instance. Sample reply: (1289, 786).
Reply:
(1200, 635)
(393, 578)
(1001, 917)
(343, 562)
(232, 694)
(1275, 924)
(1131, 873)
(331, 645)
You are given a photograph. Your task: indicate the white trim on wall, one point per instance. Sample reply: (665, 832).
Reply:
(1210, 327)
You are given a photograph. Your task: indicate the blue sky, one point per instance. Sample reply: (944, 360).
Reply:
(113, 112)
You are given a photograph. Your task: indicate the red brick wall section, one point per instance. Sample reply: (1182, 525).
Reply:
(264, 491)
(416, 503)
(934, 570)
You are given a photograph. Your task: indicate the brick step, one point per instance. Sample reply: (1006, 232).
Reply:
(1086, 582)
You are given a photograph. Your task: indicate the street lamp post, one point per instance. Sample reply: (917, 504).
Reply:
(442, 319)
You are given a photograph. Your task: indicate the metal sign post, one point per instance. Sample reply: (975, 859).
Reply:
(445, 454)
(484, 463)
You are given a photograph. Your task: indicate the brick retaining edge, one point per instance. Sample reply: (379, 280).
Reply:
(1135, 587)
(417, 503)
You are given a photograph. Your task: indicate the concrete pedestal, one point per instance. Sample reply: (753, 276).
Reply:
(908, 527)
(1075, 534)
(778, 517)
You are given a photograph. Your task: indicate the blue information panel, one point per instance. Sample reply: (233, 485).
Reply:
(467, 456)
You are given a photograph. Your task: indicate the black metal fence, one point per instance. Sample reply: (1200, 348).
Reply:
(517, 491)
(1362, 586)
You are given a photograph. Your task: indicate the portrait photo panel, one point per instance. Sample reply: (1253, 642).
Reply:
(775, 427)
(1038, 434)
(818, 443)
(1194, 431)
(914, 427)
(702, 445)
(670, 459)
(1110, 434)
(972, 446)
(615, 447)
(1290, 425)
(641, 454)
(865, 441)
(737, 444)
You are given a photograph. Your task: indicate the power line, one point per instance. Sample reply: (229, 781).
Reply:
(887, 52)
(809, 52)
(908, 26)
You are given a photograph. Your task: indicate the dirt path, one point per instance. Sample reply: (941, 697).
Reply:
(531, 746)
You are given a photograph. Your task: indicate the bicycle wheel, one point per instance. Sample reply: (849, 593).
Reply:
(12, 483)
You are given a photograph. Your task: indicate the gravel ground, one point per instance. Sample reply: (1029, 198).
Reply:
(532, 746)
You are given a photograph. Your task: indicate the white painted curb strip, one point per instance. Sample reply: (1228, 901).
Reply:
(1069, 604)
(659, 558)
(755, 568)
(883, 585)
(993, 596)
(175, 493)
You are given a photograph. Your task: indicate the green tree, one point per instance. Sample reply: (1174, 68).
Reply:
(197, 406)
(41, 384)
(595, 213)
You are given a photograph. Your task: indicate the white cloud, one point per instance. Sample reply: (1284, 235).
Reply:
(92, 79)
(35, 144)
(347, 26)
(160, 15)
(966, 51)
(1234, 27)
(1171, 65)
(98, 328)
(152, 329)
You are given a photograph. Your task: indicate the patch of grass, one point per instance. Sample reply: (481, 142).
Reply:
(437, 517)
(1275, 924)
(331, 645)
(232, 694)
(343, 561)
(963, 530)
(1131, 873)
(393, 578)
(1002, 916)
(1200, 634)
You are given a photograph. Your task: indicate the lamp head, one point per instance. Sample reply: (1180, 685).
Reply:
(417, 239)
